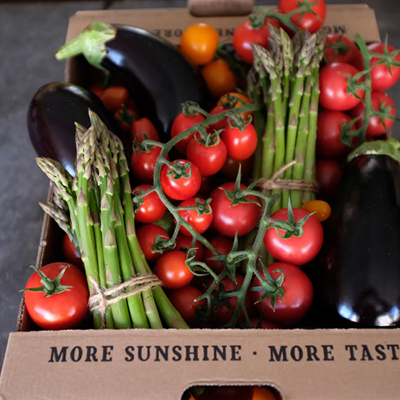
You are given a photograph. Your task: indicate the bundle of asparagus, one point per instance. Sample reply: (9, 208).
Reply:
(286, 79)
(95, 209)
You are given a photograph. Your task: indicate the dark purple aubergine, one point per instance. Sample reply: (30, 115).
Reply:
(360, 262)
(51, 118)
(157, 76)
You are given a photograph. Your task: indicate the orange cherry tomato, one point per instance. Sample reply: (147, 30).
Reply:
(114, 97)
(219, 78)
(199, 42)
(230, 98)
(321, 208)
(263, 393)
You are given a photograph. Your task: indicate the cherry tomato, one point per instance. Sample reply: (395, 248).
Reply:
(143, 164)
(172, 270)
(296, 250)
(219, 78)
(209, 159)
(184, 243)
(376, 127)
(218, 109)
(321, 209)
(152, 209)
(223, 314)
(142, 128)
(297, 300)
(329, 132)
(240, 145)
(239, 100)
(114, 97)
(264, 324)
(97, 90)
(231, 168)
(199, 42)
(182, 188)
(328, 174)
(227, 393)
(339, 48)
(184, 301)
(223, 245)
(381, 77)
(333, 86)
(125, 117)
(63, 310)
(245, 35)
(71, 254)
(181, 123)
(230, 219)
(199, 222)
(311, 22)
(147, 235)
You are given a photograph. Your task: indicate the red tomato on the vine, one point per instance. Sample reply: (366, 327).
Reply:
(245, 34)
(152, 209)
(223, 245)
(311, 22)
(62, 310)
(327, 174)
(376, 127)
(172, 270)
(240, 145)
(181, 123)
(339, 48)
(381, 77)
(184, 243)
(296, 250)
(329, 132)
(184, 301)
(209, 159)
(71, 253)
(297, 300)
(231, 219)
(199, 222)
(333, 86)
(182, 188)
(142, 128)
(218, 109)
(147, 235)
(144, 163)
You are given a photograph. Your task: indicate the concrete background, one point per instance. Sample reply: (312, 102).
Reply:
(29, 35)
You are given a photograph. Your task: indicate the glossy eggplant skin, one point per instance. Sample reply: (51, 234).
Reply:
(360, 263)
(51, 118)
(157, 76)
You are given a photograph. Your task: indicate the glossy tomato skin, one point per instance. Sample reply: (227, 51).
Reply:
(381, 77)
(333, 87)
(241, 100)
(182, 188)
(181, 123)
(199, 222)
(218, 109)
(114, 97)
(152, 209)
(308, 21)
(219, 78)
(172, 270)
(329, 132)
(223, 315)
(229, 219)
(60, 311)
(71, 254)
(223, 245)
(209, 159)
(227, 393)
(375, 126)
(184, 243)
(327, 174)
(144, 163)
(245, 34)
(296, 250)
(184, 301)
(321, 209)
(240, 145)
(346, 56)
(142, 128)
(146, 235)
(297, 300)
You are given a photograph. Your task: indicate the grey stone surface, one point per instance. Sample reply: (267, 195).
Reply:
(29, 35)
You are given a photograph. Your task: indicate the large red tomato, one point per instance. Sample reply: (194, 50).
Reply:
(200, 222)
(57, 311)
(296, 250)
(339, 48)
(231, 219)
(71, 253)
(181, 123)
(297, 300)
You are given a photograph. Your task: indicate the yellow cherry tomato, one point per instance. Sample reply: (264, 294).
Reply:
(219, 78)
(321, 208)
(199, 42)
(262, 393)
(226, 98)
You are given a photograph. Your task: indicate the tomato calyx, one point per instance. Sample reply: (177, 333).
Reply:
(138, 197)
(178, 170)
(191, 108)
(50, 286)
(145, 146)
(387, 57)
(339, 47)
(125, 116)
(202, 207)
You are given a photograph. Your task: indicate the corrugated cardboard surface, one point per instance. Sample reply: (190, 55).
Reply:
(313, 364)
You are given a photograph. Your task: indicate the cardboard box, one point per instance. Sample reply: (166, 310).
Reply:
(155, 365)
